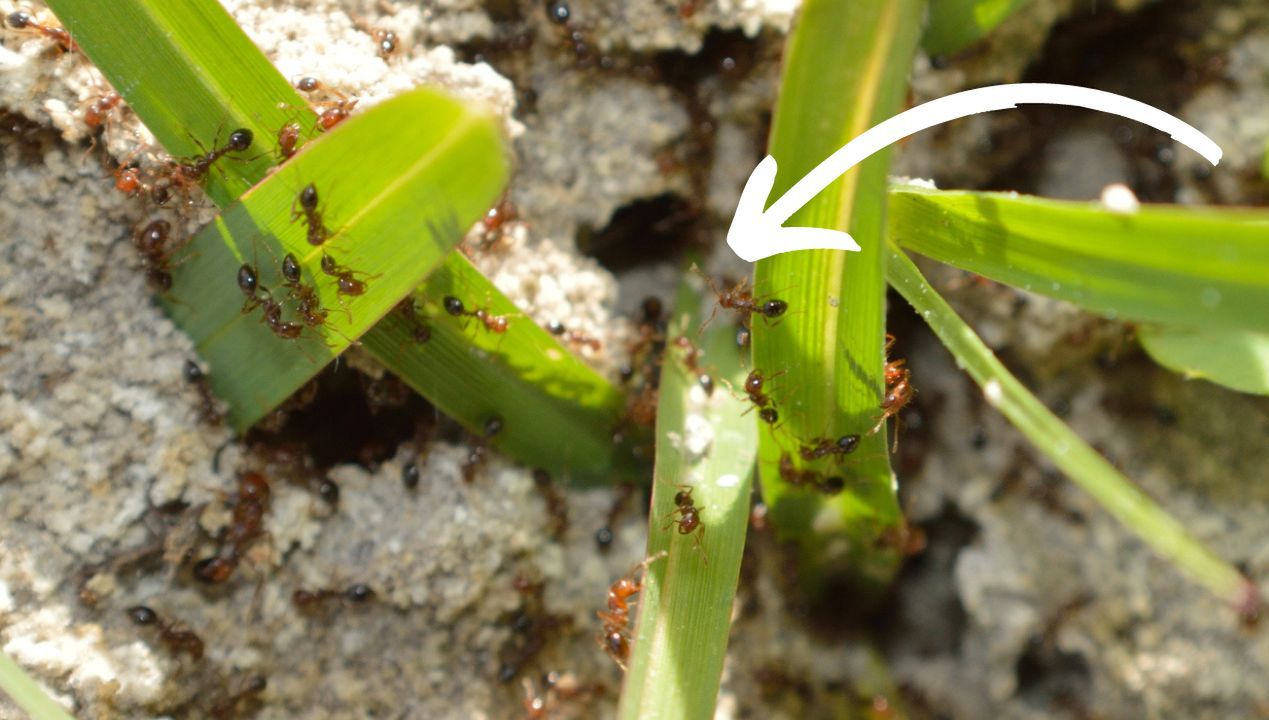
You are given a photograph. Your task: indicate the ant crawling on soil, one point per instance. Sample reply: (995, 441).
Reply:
(245, 528)
(311, 601)
(247, 693)
(615, 639)
(207, 409)
(899, 393)
(60, 36)
(689, 518)
(175, 635)
(480, 449)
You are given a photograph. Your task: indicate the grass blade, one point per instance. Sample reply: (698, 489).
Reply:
(1167, 265)
(686, 603)
(957, 24)
(378, 176)
(557, 413)
(1242, 362)
(830, 343)
(1066, 450)
(26, 694)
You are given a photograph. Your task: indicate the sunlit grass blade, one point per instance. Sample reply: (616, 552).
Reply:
(956, 24)
(846, 68)
(1237, 359)
(556, 412)
(1168, 265)
(1066, 450)
(26, 694)
(192, 75)
(396, 186)
(706, 442)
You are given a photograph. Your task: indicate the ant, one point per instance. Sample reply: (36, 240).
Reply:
(480, 449)
(288, 140)
(23, 21)
(99, 109)
(766, 406)
(385, 40)
(692, 361)
(793, 476)
(247, 692)
(689, 517)
(345, 279)
(309, 601)
(420, 332)
(151, 243)
(175, 635)
(336, 110)
(307, 201)
(615, 639)
(492, 225)
(307, 303)
(189, 172)
(573, 337)
(496, 324)
(823, 447)
(556, 505)
(195, 376)
(246, 526)
(249, 284)
(899, 392)
(740, 300)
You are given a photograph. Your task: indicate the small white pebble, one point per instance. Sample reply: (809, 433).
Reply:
(1119, 198)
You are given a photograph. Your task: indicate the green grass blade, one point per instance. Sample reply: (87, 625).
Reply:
(1065, 449)
(380, 177)
(846, 69)
(557, 413)
(1161, 264)
(686, 603)
(398, 190)
(26, 694)
(192, 75)
(956, 24)
(1238, 359)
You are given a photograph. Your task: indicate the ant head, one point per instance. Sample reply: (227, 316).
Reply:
(453, 305)
(142, 615)
(308, 197)
(240, 140)
(291, 268)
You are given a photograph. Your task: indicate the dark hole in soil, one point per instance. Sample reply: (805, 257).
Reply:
(1052, 679)
(350, 419)
(645, 232)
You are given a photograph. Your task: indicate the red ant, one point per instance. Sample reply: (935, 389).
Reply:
(615, 639)
(766, 406)
(556, 505)
(187, 173)
(789, 473)
(740, 300)
(823, 447)
(247, 692)
(99, 109)
(689, 517)
(385, 40)
(288, 140)
(207, 409)
(496, 324)
(336, 110)
(309, 601)
(346, 281)
(420, 332)
(692, 361)
(573, 337)
(899, 392)
(23, 21)
(128, 179)
(151, 243)
(246, 526)
(175, 635)
(480, 449)
(307, 303)
(307, 202)
(258, 295)
(493, 225)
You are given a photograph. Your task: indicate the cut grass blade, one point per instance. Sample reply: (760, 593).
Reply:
(397, 192)
(1167, 265)
(1066, 450)
(557, 413)
(378, 177)
(829, 343)
(1238, 359)
(1170, 269)
(707, 443)
(192, 75)
(26, 694)
(957, 24)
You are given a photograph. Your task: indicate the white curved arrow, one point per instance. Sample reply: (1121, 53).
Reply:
(755, 234)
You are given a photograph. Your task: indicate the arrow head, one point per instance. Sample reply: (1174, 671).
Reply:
(755, 235)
